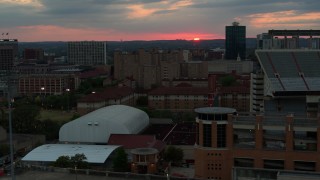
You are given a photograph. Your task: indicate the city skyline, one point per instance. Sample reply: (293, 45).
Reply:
(116, 20)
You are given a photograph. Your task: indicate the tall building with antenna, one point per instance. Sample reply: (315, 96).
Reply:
(235, 41)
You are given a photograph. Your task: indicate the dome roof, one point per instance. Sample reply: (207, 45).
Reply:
(97, 126)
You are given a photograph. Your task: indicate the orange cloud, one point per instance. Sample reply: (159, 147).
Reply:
(138, 11)
(22, 2)
(57, 33)
(284, 19)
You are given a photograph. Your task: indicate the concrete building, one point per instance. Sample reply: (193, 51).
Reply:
(49, 84)
(87, 52)
(6, 57)
(235, 41)
(148, 68)
(228, 66)
(295, 88)
(178, 98)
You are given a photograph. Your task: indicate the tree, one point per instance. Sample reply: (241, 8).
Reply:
(228, 80)
(120, 161)
(142, 101)
(63, 162)
(79, 161)
(4, 149)
(173, 154)
(24, 118)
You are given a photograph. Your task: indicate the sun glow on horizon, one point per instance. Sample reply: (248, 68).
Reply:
(196, 39)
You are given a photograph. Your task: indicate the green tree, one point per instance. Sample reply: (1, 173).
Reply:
(173, 154)
(4, 149)
(228, 80)
(142, 101)
(79, 161)
(24, 119)
(120, 161)
(63, 162)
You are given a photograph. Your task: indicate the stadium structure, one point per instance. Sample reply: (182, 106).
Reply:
(288, 83)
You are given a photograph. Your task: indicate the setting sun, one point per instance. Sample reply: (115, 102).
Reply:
(196, 39)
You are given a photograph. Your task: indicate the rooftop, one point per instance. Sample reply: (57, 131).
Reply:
(51, 152)
(215, 110)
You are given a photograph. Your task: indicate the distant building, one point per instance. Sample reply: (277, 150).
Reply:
(49, 84)
(87, 52)
(8, 53)
(235, 41)
(289, 39)
(234, 92)
(148, 68)
(109, 96)
(33, 54)
(178, 98)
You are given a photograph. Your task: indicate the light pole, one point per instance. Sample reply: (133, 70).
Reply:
(68, 90)
(10, 130)
(75, 170)
(42, 96)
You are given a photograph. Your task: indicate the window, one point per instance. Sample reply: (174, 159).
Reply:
(273, 164)
(243, 162)
(207, 135)
(221, 135)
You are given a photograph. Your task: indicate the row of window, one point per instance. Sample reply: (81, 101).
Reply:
(276, 164)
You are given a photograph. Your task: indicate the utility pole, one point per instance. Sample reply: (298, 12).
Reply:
(10, 127)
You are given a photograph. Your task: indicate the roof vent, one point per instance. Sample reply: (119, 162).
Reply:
(96, 123)
(89, 123)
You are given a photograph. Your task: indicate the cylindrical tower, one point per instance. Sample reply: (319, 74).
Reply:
(213, 142)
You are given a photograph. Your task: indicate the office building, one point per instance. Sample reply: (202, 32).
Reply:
(8, 53)
(235, 41)
(87, 52)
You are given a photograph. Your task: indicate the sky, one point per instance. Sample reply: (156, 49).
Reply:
(126, 20)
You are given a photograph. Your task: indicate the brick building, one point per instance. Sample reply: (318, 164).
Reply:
(109, 96)
(50, 84)
(226, 140)
(233, 93)
(178, 98)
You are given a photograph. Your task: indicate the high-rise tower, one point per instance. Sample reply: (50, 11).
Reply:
(87, 52)
(8, 53)
(235, 41)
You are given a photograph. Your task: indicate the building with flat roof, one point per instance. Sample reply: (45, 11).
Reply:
(6, 57)
(235, 41)
(87, 52)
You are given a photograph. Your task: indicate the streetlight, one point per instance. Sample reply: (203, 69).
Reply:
(68, 90)
(75, 170)
(42, 90)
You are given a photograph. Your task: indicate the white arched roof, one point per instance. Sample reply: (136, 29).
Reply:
(97, 126)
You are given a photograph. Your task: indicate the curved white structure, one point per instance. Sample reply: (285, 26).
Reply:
(97, 126)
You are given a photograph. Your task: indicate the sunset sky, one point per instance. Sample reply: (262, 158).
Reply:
(115, 20)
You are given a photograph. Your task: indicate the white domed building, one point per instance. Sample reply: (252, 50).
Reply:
(97, 126)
